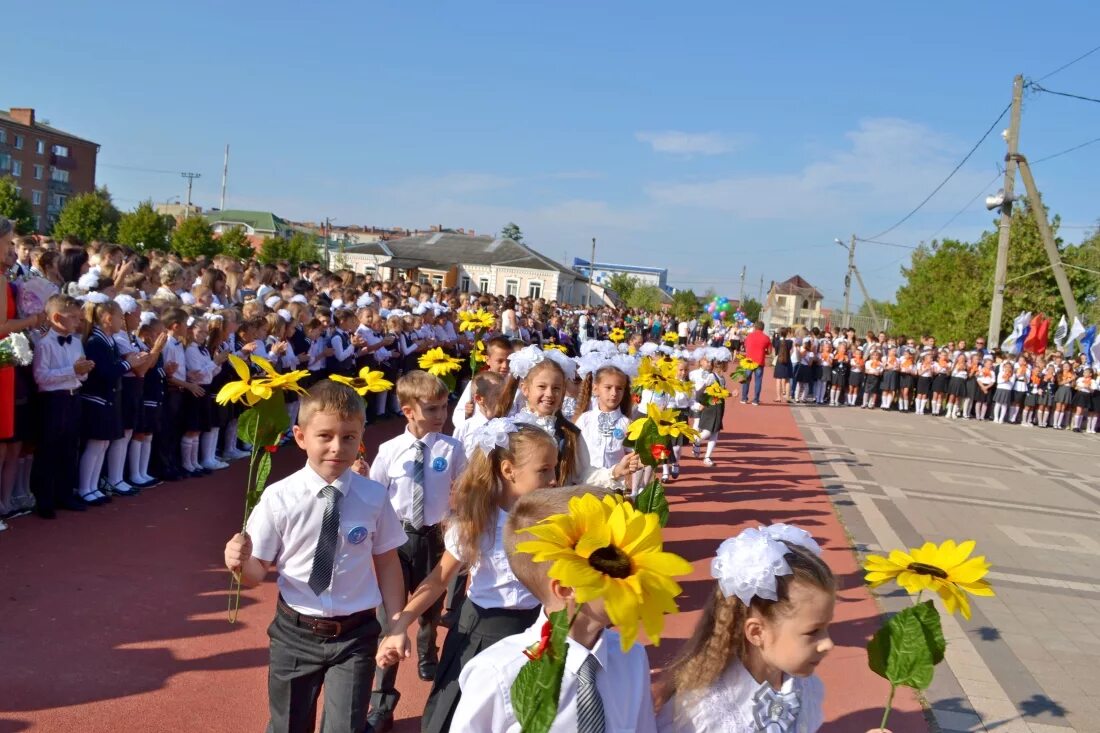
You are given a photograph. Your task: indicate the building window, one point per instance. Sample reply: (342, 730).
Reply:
(36, 198)
(57, 201)
(5, 161)
(17, 168)
(511, 287)
(534, 290)
(805, 305)
(38, 170)
(40, 147)
(38, 222)
(3, 135)
(60, 151)
(56, 174)
(18, 142)
(437, 281)
(422, 279)
(464, 284)
(483, 284)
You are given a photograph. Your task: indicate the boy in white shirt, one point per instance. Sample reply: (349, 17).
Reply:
(621, 680)
(417, 468)
(333, 537)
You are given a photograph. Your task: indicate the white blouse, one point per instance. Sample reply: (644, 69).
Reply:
(604, 433)
(492, 583)
(737, 703)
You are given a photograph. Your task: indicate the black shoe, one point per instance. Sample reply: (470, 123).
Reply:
(73, 504)
(426, 669)
(379, 721)
(48, 513)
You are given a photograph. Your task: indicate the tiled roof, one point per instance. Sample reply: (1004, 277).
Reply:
(797, 285)
(6, 118)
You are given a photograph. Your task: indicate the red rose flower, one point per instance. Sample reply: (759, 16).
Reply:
(271, 448)
(660, 452)
(637, 399)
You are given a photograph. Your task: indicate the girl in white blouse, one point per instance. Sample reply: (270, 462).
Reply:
(750, 664)
(510, 461)
(604, 429)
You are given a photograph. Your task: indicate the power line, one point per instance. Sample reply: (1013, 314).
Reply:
(1039, 88)
(949, 176)
(969, 203)
(886, 244)
(1065, 66)
(1067, 150)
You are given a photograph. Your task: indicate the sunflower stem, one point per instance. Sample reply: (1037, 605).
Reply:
(889, 707)
(235, 581)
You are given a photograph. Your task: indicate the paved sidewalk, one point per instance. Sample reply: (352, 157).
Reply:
(1028, 659)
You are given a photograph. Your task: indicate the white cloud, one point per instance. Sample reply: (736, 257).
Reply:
(888, 165)
(677, 142)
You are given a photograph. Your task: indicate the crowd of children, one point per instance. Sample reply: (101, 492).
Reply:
(1052, 390)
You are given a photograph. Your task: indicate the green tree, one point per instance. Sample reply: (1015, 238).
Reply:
(645, 297)
(144, 228)
(685, 305)
(15, 207)
(235, 243)
(272, 250)
(88, 216)
(944, 292)
(194, 238)
(622, 285)
(511, 231)
(882, 308)
(301, 247)
(751, 308)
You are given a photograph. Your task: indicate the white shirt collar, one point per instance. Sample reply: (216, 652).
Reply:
(314, 483)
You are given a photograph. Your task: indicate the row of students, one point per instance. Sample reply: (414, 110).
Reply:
(344, 544)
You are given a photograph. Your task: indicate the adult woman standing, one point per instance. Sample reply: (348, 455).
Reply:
(782, 372)
(509, 324)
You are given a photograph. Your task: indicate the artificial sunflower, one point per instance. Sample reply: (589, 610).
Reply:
(367, 381)
(666, 421)
(671, 337)
(947, 570)
(717, 392)
(479, 320)
(748, 364)
(280, 381)
(616, 335)
(555, 347)
(478, 353)
(246, 390)
(434, 361)
(607, 549)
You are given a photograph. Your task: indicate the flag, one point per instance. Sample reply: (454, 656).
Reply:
(1037, 335)
(1090, 346)
(1075, 333)
(1009, 345)
(1060, 333)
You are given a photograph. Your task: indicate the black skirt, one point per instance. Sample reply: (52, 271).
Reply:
(478, 628)
(907, 381)
(148, 419)
(972, 388)
(782, 370)
(197, 412)
(924, 386)
(130, 399)
(870, 383)
(102, 420)
(1018, 397)
(1095, 406)
(1003, 397)
(890, 380)
(855, 380)
(1082, 398)
(1064, 395)
(939, 383)
(710, 419)
(1032, 399)
(957, 387)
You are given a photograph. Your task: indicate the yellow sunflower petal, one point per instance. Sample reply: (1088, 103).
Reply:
(239, 367)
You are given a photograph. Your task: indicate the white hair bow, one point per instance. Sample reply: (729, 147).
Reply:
(96, 297)
(567, 365)
(88, 281)
(147, 317)
(747, 565)
(495, 434)
(648, 348)
(126, 303)
(520, 363)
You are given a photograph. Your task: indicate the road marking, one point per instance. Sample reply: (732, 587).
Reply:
(968, 479)
(1042, 539)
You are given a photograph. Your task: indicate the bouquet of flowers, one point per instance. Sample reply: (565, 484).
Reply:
(261, 426)
(745, 368)
(651, 437)
(715, 394)
(906, 650)
(15, 350)
(603, 550)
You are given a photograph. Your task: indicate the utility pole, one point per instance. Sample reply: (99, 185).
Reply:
(741, 297)
(1035, 203)
(591, 275)
(225, 175)
(325, 244)
(190, 179)
(848, 282)
(1013, 140)
(760, 294)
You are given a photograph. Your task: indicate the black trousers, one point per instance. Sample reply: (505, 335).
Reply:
(302, 662)
(54, 475)
(419, 555)
(166, 439)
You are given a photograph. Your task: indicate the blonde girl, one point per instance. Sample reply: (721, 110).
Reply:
(956, 388)
(765, 625)
(510, 460)
(604, 429)
(1082, 398)
(1002, 398)
(925, 373)
(199, 439)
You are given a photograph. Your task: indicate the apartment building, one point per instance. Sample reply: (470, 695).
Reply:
(48, 165)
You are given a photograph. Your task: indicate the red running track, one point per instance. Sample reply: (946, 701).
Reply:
(115, 619)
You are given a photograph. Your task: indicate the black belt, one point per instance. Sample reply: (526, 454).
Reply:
(328, 627)
(426, 529)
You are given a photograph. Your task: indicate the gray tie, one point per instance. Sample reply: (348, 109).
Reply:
(321, 574)
(589, 705)
(417, 518)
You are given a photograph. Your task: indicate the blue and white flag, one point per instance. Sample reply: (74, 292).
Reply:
(1060, 333)
(1014, 344)
(1075, 333)
(1091, 346)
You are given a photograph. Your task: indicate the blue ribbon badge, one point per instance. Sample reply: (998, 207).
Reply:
(439, 465)
(357, 535)
(618, 434)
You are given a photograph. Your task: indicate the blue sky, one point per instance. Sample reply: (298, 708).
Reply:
(699, 136)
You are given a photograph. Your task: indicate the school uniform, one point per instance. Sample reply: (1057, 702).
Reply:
(941, 375)
(54, 475)
(418, 474)
(1064, 394)
(604, 433)
(621, 682)
(1020, 386)
(166, 438)
(957, 386)
(1082, 392)
(497, 605)
(198, 412)
(855, 373)
(710, 417)
(1003, 393)
(152, 395)
(101, 410)
(464, 433)
(890, 377)
(872, 377)
(331, 634)
(839, 371)
(342, 361)
(924, 379)
(130, 396)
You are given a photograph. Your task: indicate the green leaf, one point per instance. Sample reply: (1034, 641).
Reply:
(537, 687)
(246, 425)
(652, 500)
(272, 420)
(908, 647)
(263, 470)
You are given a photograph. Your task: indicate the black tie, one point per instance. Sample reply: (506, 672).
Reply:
(321, 574)
(64, 340)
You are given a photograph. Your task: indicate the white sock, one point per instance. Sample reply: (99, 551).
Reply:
(116, 457)
(676, 452)
(185, 453)
(195, 451)
(134, 461)
(1092, 424)
(146, 454)
(1076, 422)
(207, 442)
(229, 439)
(90, 461)
(1013, 413)
(710, 448)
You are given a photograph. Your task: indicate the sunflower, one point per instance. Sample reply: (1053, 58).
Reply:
(434, 361)
(717, 392)
(666, 421)
(247, 390)
(671, 337)
(947, 570)
(367, 381)
(555, 347)
(478, 353)
(608, 549)
(616, 335)
(748, 364)
(275, 380)
(479, 320)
